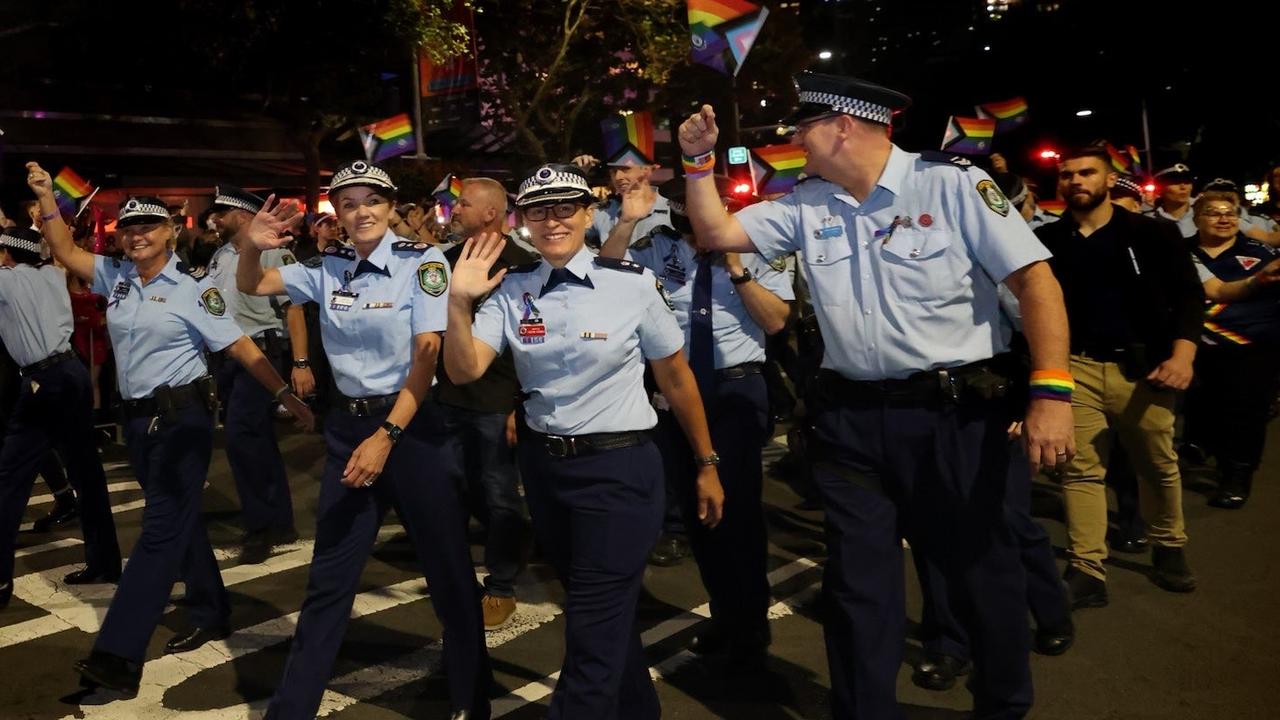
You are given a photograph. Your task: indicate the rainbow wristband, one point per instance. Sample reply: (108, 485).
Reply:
(1052, 385)
(696, 167)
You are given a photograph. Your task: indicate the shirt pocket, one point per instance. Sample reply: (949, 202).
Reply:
(917, 264)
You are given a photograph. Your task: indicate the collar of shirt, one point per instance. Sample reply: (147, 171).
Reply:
(379, 260)
(577, 266)
(892, 177)
(169, 272)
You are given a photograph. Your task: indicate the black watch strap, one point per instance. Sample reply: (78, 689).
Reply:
(742, 279)
(394, 431)
(301, 363)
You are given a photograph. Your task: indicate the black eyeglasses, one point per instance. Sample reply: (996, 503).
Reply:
(561, 211)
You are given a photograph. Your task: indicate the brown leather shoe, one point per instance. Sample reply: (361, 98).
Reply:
(498, 611)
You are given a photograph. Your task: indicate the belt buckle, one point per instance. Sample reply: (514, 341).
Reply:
(947, 382)
(560, 446)
(360, 407)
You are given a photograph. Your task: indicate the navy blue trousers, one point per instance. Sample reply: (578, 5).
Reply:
(940, 629)
(936, 475)
(596, 517)
(253, 452)
(732, 558)
(486, 474)
(171, 463)
(55, 409)
(416, 481)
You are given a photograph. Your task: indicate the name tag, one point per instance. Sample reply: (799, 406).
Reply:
(157, 298)
(532, 331)
(377, 305)
(121, 290)
(826, 233)
(341, 300)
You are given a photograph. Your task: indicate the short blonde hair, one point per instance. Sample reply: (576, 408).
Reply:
(1209, 196)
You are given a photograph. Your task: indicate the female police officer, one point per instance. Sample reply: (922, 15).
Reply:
(160, 321)
(580, 329)
(382, 305)
(54, 408)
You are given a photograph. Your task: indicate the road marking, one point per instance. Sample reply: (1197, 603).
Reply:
(113, 487)
(539, 689)
(115, 510)
(45, 547)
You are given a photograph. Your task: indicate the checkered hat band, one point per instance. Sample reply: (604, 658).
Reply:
(556, 181)
(369, 176)
(18, 243)
(135, 209)
(235, 202)
(850, 106)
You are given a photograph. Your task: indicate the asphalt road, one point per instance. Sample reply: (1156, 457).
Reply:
(1150, 654)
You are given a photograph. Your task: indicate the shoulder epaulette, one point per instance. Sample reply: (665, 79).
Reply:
(314, 261)
(807, 178)
(197, 273)
(525, 268)
(619, 264)
(341, 251)
(937, 156)
(410, 246)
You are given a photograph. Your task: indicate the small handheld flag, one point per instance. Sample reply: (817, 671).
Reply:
(72, 192)
(777, 168)
(387, 138)
(628, 139)
(723, 31)
(1119, 161)
(449, 190)
(1008, 114)
(1053, 207)
(968, 136)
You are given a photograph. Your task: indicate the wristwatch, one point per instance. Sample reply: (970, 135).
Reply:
(742, 279)
(394, 431)
(301, 363)
(712, 459)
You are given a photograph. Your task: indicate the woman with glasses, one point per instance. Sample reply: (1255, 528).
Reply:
(382, 307)
(1238, 364)
(161, 320)
(581, 328)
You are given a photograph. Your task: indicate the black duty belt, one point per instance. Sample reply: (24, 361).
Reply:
(737, 372)
(1103, 354)
(367, 406)
(564, 446)
(48, 362)
(166, 399)
(985, 380)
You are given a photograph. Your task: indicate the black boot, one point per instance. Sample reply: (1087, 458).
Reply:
(65, 509)
(1233, 486)
(1171, 570)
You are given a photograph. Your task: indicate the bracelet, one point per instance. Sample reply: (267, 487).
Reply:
(280, 393)
(1052, 385)
(696, 167)
(51, 216)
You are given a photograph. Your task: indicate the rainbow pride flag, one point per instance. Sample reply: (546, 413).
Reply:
(449, 190)
(1008, 114)
(777, 168)
(68, 188)
(1119, 161)
(628, 139)
(969, 136)
(1135, 164)
(723, 31)
(1053, 207)
(387, 138)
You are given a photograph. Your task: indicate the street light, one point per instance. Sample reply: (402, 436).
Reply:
(1083, 113)
(824, 55)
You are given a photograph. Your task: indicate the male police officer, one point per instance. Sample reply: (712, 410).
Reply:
(1174, 203)
(630, 176)
(904, 253)
(252, 450)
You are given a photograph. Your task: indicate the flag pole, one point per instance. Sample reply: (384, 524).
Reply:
(1146, 134)
(420, 153)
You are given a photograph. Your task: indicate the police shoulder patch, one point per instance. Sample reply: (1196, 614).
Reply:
(213, 302)
(409, 246)
(619, 264)
(779, 263)
(432, 278)
(666, 296)
(994, 199)
(938, 156)
(341, 251)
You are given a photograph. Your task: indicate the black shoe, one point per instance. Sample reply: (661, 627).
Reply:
(90, 576)
(1192, 455)
(938, 672)
(1170, 569)
(670, 550)
(108, 671)
(1055, 639)
(191, 640)
(1233, 487)
(711, 641)
(282, 536)
(1128, 545)
(6, 594)
(255, 551)
(63, 512)
(1085, 590)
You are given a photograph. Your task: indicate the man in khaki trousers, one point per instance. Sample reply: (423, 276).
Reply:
(1135, 308)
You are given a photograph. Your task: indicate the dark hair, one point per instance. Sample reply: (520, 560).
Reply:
(26, 257)
(1092, 150)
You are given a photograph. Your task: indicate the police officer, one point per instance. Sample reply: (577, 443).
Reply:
(726, 305)
(382, 304)
(161, 320)
(54, 407)
(911, 408)
(630, 174)
(580, 328)
(1174, 203)
(252, 449)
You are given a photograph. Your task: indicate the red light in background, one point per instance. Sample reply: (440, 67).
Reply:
(1149, 187)
(742, 189)
(1048, 154)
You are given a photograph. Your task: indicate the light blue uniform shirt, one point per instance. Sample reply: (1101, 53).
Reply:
(1186, 224)
(369, 338)
(920, 297)
(1249, 221)
(254, 314)
(738, 339)
(1040, 217)
(159, 330)
(583, 367)
(605, 216)
(35, 312)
